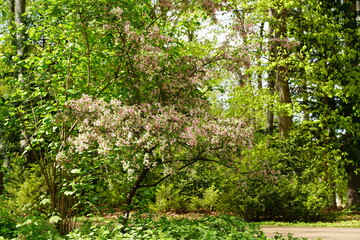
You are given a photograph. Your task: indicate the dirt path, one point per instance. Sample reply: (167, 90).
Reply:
(324, 233)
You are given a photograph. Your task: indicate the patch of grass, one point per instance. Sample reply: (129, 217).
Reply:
(345, 224)
(346, 219)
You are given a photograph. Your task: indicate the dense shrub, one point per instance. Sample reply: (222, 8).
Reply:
(261, 196)
(170, 198)
(7, 222)
(32, 227)
(282, 180)
(208, 202)
(278, 179)
(26, 186)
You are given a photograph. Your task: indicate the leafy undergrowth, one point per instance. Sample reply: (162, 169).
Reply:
(164, 226)
(184, 226)
(209, 227)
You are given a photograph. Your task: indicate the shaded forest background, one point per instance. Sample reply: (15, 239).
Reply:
(242, 107)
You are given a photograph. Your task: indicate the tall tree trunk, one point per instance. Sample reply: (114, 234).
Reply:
(278, 28)
(330, 106)
(15, 20)
(19, 10)
(353, 192)
(271, 81)
(271, 85)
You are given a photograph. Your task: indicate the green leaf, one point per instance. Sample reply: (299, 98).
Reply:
(76, 170)
(45, 201)
(69, 193)
(54, 219)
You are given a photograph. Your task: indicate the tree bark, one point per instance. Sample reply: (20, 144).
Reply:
(271, 82)
(19, 10)
(282, 85)
(270, 113)
(278, 30)
(12, 11)
(353, 190)
(356, 9)
(1, 182)
(131, 194)
(353, 194)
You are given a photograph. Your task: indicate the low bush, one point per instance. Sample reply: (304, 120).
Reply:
(7, 223)
(25, 227)
(261, 197)
(208, 202)
(169, 198)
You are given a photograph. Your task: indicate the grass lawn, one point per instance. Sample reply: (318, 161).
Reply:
(346, 219)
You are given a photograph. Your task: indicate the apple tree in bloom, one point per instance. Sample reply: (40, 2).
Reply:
(150, 138)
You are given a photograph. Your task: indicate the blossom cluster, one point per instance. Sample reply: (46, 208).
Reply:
(158, 67)
(143, 136)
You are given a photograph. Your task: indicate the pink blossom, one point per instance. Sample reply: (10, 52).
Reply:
(117, 11)
(146, 131)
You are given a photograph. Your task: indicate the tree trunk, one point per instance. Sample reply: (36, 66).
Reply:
(270, 113)
(12, 11)
(333, 204)
(1, 182)
(19, 10)
(130, 196)
(278, 31)
(282, 84)
(271, 82)
(353, 190)
(358, 14)
(354, 176)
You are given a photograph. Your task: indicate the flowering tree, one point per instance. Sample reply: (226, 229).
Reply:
(142, 52)
(153, 138)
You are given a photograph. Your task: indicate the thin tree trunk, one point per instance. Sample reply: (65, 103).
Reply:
(270, 113)
(12, 11)
(358, 14)
(1, 182)
(19, 10)
(306, 115)
(271, 82)
(333, 203)
(131, 194)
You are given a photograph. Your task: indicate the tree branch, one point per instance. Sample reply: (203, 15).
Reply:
(191, 162)
(169, 175)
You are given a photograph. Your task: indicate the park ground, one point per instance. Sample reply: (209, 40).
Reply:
(324, 233)
(346, 228)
